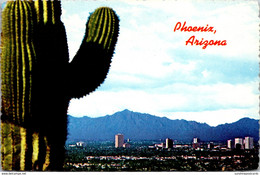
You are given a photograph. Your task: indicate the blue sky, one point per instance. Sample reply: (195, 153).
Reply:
(153, 71)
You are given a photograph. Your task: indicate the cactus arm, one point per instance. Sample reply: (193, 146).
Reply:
(92, 61)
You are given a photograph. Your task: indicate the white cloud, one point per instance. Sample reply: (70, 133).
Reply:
(125, 78)
(102, 103)
(215, 96)
(236, 95)
(216, 117)
(239, 25)
(182, 8)
(205, 74)
(140, 53)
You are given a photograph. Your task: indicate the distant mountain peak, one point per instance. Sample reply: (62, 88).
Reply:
(126, 111)
(141, 126)
(245, 118)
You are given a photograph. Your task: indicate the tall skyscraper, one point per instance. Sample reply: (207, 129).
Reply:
(169, 143)
(249, 142)
(239, 143)
(119, 140)
(230, 144)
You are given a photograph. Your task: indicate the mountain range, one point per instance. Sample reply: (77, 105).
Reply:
(139, 126)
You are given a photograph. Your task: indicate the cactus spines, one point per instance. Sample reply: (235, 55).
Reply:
(17, 56)
(38, 81)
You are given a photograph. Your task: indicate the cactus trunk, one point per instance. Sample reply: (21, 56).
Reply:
(38, 81)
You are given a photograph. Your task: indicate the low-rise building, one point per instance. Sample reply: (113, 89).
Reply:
(79, 144)
(126, 145)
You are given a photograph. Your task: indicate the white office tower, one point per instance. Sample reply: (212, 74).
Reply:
(249, 143)
(239, 143)
(195, 140)
(119, 140)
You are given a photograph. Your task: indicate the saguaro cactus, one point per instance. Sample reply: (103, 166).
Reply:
(38, 81)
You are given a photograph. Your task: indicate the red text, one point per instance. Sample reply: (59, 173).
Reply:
(205, 43)
(184, 28)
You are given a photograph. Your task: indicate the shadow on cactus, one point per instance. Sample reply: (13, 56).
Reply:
(38, 81)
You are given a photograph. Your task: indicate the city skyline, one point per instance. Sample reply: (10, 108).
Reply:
(233, 143)
(154, 72)
(163, 156)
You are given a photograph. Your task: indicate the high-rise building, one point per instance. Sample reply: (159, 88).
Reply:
(119, 140)
(230, 144)
(169, 143)
(211, 145)
(195, 140)
(196, 143)
(249, 142)
(239, 143)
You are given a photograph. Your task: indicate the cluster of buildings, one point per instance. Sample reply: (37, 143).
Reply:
(237, 143)
(78, 144)
(167, 144)
(120, 142)
(240, 143)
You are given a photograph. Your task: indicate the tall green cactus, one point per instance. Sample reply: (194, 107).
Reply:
(38, 81)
